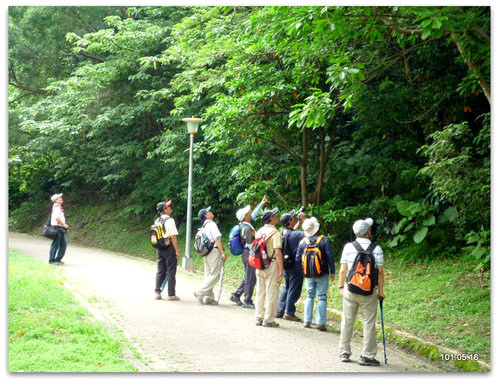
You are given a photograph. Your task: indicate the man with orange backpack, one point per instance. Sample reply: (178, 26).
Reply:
(361, 285)
(316, 256)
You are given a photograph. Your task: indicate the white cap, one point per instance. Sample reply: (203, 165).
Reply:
(310, 226)
(241, 213)
(55, 197)
(361, 226)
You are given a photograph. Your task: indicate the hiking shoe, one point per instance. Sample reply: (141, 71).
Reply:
(157, 297)
(209, 301)
(234, 298)
(174, 298)
(345, 358)
(279, 315)
(59, 263)
(248, 305)
(307, 325)
(271, 324)
(200, 299)
(292, 317)
(321, 327)
(259, 322)
(363, 361)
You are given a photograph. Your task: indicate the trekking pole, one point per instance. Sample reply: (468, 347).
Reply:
(382, 326)
(221, 282)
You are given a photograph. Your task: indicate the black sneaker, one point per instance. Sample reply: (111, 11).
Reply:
(345, 358)
(234, 298)
(363, 361)
(248, 305)
(321, 327)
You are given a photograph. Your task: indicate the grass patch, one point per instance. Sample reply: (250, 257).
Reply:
(49, 331)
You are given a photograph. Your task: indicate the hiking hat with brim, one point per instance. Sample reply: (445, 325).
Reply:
(161, 206)
(241, 213)
(361, 227)
(267, 215)
(310, 226)
(202, 213)
(286, 217)
(55, 197)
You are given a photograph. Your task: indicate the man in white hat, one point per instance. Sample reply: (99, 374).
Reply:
(319, 284)
(247, 236)
(352, 302)
(58, 221)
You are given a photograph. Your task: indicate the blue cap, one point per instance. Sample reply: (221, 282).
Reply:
(202, 213)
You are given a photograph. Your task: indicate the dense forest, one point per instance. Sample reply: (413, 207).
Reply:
(349, 111)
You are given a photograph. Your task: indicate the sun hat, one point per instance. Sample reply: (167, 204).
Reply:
(267, 215)
(55, 197)
(241, 213)
(310, 226)
(361, 226)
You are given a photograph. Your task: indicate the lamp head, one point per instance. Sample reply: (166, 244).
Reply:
(192, 124)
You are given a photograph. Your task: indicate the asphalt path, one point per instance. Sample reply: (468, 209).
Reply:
(184, 336)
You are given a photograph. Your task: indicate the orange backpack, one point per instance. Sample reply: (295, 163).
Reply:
(313, 263)
(363, 275)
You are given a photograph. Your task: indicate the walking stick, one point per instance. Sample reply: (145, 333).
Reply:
(221, 284)
(382, 326)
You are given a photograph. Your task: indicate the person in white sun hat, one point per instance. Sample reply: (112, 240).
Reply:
(352, 301)
(58, 221)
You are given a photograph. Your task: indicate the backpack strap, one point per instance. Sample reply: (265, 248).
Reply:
(369, 249)
(357, 246)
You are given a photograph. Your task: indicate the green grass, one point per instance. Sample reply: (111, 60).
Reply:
(49, 331)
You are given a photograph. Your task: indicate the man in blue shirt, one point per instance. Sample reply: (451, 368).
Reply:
(317, 285)
(293, 273)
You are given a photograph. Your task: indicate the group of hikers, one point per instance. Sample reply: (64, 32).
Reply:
(298, 256)
(285, 256)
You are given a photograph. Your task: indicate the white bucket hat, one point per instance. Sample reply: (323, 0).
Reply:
(241, 213)
(55, 197)
(311, 226)
(362, 226)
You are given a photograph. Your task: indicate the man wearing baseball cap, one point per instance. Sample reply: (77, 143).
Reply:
(352, 302)
(167, 258)
(213, 261)
(247, 285)
(267, 280)
(58, 221)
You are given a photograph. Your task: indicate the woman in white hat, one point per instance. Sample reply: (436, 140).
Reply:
(58, 221)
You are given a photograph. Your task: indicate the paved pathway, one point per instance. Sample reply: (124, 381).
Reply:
(185, 336)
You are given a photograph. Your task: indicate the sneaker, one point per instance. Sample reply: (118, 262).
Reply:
(292, 317)
(174, 298)
(279, 315)
(321, 327)
(271, 324)
(345, 358)
(234, 298)
(363, 361)
(307, 325)
(248, 305)
(157, 297)
(59, 263)
(259, 322)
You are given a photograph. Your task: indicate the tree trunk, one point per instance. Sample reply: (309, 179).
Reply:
(303, 167)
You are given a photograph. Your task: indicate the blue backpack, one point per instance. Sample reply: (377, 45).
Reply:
(235, 245)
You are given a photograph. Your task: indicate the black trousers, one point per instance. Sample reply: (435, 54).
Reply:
(247, 285)
(167, 263)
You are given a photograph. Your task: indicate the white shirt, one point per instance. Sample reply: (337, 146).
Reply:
(211, 230)
(57, 212)
(169, 225)
(349, 252)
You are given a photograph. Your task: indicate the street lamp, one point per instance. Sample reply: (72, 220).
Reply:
(192, 128)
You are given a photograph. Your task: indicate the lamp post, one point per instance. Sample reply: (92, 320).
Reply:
(192, 128)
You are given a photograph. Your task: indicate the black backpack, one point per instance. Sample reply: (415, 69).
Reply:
(288, 260)
(363, 275)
